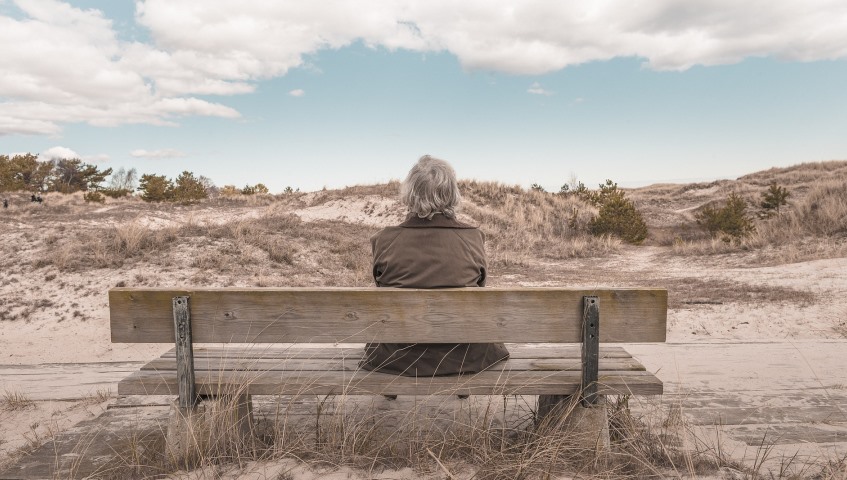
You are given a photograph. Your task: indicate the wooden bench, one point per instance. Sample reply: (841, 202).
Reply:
(578, 321)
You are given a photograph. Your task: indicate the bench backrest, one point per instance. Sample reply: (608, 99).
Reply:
(355, 315)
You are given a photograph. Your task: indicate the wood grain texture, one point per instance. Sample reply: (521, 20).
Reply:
(148, 382)
(346, 315)
(351, 364)
(184, 356)
(260, 351)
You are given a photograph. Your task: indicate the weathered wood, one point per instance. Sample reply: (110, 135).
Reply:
(351, 363)
(184, 354)
(264, 351)
(370, 383)
(590, 349)
(338, 315)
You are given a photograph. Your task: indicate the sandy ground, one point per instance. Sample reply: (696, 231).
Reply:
(722, 319)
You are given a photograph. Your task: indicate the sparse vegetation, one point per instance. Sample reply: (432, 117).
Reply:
(14, 400)
(259, 188)
(775, 197)
(731, 219)
(617, 215)
(64, 244)
(521, 224)
(27, 173)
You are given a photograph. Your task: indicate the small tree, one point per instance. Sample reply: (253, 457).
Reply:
(774, 197)
(122, 183)
(72, 175)
(23, 172)
(254, 189)
(155, 188)
(617, 214)
(536, 187)
(730, 220)
(188, 188)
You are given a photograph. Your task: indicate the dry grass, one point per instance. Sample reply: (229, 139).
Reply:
(14, 400)
(483, 441)
(279, 248)
(520, 225)
(812, 227)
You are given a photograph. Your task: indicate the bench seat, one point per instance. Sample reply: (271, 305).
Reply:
(324, 370)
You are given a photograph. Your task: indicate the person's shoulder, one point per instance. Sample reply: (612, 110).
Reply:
(471, 234)
(387, 234)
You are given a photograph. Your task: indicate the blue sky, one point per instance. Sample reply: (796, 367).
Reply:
(291, 95)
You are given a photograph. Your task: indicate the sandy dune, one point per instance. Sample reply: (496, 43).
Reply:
(735, 328)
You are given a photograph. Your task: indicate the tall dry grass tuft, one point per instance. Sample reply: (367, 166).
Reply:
(521, 224)
(487, 437)
(813, 227)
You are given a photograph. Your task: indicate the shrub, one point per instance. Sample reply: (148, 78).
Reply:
(774, 198)
(94, 196)
(188, 188)
(617, 215)
(252, 190)
(116, 192)
(730, 220)
(155, 188)
(230, 191)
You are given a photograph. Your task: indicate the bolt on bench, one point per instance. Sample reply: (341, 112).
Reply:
(294, 316)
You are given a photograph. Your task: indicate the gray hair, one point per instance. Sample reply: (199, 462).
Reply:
(431, 188)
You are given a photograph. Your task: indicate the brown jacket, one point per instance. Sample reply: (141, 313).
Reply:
(437, 253)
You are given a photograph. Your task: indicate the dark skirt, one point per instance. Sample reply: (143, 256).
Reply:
(432, 359)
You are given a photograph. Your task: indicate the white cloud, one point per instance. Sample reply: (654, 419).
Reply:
(537, 89)
(61, 64)
(99, 158)
(164, 153)
(298, 92)
(58, 153)
(61, 153)
(64, 65)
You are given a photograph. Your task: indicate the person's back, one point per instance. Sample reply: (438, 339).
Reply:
(431, 249)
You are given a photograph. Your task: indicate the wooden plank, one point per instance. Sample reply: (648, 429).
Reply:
(371, 383)
(352, 364)
(258, 351)
(345, 315)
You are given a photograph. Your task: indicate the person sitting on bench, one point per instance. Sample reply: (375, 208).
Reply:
(430, 249)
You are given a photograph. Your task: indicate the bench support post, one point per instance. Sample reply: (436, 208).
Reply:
(590, 364)
(184, 354)
(590, 349)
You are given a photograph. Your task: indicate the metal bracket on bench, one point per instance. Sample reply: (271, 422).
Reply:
(590, 349)
(184, 353)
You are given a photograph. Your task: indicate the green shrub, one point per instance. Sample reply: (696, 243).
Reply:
(189, 188)
(730, 220)
(259, 188)
(116, 192)
(155, 188)
(774, 198)
(93, 196)
(617, 215)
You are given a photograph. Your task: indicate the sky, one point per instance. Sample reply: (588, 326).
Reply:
(335, 93)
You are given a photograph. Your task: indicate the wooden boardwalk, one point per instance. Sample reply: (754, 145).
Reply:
(790, 397)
